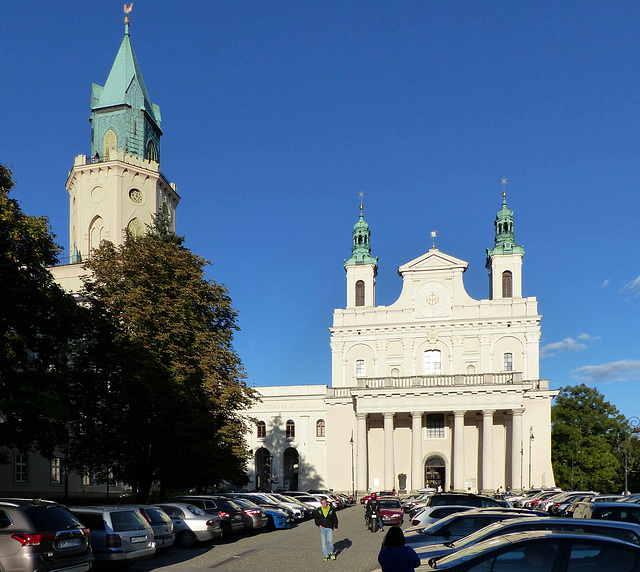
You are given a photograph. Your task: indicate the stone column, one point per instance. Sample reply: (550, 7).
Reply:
(487, 451)
(389, 461)
(417, 477)
(361, 452)
(458, 450)
(516, 449)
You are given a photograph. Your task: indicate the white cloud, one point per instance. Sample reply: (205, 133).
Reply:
(633, 287)
(605, 283)
(624, 370)
(588, 338)
(566, 345)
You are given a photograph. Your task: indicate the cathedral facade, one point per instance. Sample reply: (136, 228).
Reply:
(436, 390)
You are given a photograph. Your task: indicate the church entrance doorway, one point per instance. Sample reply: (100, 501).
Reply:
(263, 461)
(291, 465)
(434, 473)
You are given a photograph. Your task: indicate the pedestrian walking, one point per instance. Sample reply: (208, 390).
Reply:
(394, 555)
(326, 520)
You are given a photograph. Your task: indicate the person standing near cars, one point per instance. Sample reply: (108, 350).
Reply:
(394, 555)
(326, 520)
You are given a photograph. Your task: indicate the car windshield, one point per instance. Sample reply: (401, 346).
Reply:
(390, 504)
(51, 518)
(127, 520)
(195, 510)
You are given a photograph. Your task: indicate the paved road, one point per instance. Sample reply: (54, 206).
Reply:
(292, 550)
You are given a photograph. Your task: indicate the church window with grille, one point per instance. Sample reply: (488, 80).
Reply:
(290, 430)
(435, 426)
(507, 284)
(360, 293)
(320, 428)
(432, 363)
(110, 144)
(360, 372)
(507, 362)
(261, 429)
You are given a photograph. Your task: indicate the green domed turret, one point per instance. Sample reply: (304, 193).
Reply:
(361, 245)
(505, 236)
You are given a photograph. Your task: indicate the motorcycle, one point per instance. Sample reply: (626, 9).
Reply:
(373, 522)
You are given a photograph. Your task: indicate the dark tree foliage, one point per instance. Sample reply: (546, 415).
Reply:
(165, 384)
(589, 436)
(36, 331)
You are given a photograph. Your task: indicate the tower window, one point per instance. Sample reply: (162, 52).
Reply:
(261, 430)
(360, 368)
(507, 362)
(110, 144)
(320, 428)
(507, 284)
(290, 431)
(360, 293)
(432, 363)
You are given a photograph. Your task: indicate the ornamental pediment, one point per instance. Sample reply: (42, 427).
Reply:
(433, 260)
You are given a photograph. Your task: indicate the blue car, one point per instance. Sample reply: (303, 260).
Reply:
(277, 518)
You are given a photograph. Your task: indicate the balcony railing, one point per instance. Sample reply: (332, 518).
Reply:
(457, 380)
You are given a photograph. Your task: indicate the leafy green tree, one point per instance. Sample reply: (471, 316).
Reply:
(37, 331)
(163, 384)
(587, 440)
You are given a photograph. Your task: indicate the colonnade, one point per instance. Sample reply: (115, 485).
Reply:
(458, 471)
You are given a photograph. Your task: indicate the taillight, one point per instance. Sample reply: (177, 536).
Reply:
(253, 511)
(224, 514)
(86, 532)
(415, 522)
(210, 523)
(143, 513)
(113, 541)
(33, 539)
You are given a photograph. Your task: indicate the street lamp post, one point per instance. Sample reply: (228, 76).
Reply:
(271, 473)
(353, 482)
(531, 438)
(634, 423)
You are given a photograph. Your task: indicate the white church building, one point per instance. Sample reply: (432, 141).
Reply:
(435, 390)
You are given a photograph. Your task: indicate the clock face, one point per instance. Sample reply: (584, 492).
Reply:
(135, 195)
(432, 300)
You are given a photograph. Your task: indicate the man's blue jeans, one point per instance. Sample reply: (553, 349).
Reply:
(326, 534)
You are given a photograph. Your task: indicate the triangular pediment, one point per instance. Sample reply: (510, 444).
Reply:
(431, 261)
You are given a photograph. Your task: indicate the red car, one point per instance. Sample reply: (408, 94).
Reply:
(391, 510)
(382, 494)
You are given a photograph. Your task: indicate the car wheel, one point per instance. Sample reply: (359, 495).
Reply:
(186, 539)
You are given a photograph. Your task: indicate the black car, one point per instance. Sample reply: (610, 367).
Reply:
(42, 535)
(229, 512)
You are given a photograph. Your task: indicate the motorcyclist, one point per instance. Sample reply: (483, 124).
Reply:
(373, 507)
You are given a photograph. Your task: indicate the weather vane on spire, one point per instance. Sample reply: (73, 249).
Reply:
(361, 194)
(127, 9)
(433, 238)
(504, 182)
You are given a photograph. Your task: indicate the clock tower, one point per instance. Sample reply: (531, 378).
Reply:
(120, 186)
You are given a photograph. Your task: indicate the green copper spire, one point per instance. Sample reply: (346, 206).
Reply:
(123, 117)
(505, 237)
(361, 247)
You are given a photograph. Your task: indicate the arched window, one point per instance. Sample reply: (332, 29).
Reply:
(507, 284)
(360, 293)
(431, 362)
(96, 231)
(261, 428)
(360, 368)
(152, 154)
(320, 428)
(290, 429)
(109, 144)
(507, 362)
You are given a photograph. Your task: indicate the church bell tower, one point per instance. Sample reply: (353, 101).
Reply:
(120, 186)
(361, 268)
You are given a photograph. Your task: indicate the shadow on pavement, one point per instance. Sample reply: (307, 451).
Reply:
(342, 545)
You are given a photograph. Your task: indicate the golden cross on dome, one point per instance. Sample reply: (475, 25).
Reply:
(433, 238)
(504, 182)
(361, 194)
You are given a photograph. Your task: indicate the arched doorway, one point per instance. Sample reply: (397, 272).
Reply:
(434, 472)
(291, 468)
(263, 461)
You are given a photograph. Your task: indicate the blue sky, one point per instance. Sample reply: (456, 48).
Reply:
(277, 114)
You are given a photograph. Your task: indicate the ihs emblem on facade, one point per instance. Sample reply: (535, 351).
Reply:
(433, 299)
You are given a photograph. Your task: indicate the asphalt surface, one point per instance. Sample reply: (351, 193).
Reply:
(297, 549)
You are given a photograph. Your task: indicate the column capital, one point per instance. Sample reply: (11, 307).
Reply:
(488, 412)
(388, 414)
(361, 416)
(517, 412)
(459, 413)
(417, 414)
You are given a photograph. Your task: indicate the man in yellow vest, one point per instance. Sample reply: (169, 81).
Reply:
(326, 520)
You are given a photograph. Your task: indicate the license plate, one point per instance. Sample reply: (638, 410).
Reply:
(73, 543)
(136, 539)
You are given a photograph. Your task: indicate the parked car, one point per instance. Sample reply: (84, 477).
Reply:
(42, 535)
(230, 514)
(621, 530)
(161, 524)
(626, 512)
(253, 516)
(306, 498)
(119, 535)
(277, 517)
(295, 504)
(459, 525)
(558, 505)
(391, 510)
(191, 524)
(430, 514)
(543, 551)
(452, 499)
(364, 499)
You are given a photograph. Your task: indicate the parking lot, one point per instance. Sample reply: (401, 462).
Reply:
(290, 550)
